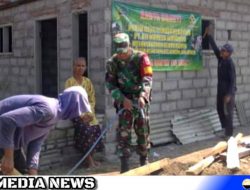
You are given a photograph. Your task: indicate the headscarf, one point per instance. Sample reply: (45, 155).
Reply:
(73, 102)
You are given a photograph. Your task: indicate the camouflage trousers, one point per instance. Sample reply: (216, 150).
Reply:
(137, 120)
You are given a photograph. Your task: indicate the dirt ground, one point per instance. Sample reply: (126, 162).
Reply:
(181, 158)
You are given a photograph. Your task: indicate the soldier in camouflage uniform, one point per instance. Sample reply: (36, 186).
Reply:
(129, 80)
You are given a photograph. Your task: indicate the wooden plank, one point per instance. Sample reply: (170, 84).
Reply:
(233, 161)
(209, 159)
(200, 166)
(106, 174)
(14, 171)
(242, 151)
(222, 146)
(147, 169)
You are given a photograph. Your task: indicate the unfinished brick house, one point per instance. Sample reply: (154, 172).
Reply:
(40, 38)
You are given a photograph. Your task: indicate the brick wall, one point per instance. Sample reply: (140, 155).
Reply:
(172, 91)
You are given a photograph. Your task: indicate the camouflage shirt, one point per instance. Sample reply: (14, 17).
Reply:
(131, 78)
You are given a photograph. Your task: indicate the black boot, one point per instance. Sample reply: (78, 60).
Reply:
(143, 160)
(124, 164)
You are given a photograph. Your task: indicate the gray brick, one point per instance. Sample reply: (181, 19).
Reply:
(198, 102)
(225, 15)
(96, 16)
(65, 43)
(242, 8)
(65, 21)
(155, 108)
(239, 80)
(107, 15)
(200, 83)
(203, 73)
(107, 40)
(242, 26)
(202, 92)
(159, 76)
(213, 72)
(173, 95)
(188, 83)
(159, 96)
(245, 71)
(66, 54)
(213, 91)
(184, 104)
(231, 6)
(173, 75)
(99, 4)
(169, 6)
(188, 74)
(240, 89)
(191, 93)
(243, 97)
(157, 86)
(245, 36)
(15, 70)
(97, 52)
(169, 85)
(212, 82)
(247, 105)
(220, 25)
(236, 17)
(247, 88)
(221, 5)
(243, 62)
(65, 33)
(211, 101)
(246, 79)
(248, 114)
(168, 107)
(24, 72)
(193, 2)
(231, 25)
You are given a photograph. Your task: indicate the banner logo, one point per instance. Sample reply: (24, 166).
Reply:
(171, 38)
(246, 184)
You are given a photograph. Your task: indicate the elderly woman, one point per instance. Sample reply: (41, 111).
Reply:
(26, 120)
(86, 131)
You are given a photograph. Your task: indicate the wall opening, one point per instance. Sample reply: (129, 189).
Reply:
(48, 56)
(80, 37)
(6, 39)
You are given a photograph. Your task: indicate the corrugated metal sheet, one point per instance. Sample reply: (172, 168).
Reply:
(196, 125)
(236, 120)
(193, 126)
(160, 130)
(241, 113)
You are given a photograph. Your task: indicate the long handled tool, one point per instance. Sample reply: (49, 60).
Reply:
(109, 125)
(91, 149)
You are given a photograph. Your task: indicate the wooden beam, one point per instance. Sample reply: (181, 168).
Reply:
(242, 151)
(210, 158)
(233, 160)
(222, 146)
(147, 169)
(14, 171)
(200, 166)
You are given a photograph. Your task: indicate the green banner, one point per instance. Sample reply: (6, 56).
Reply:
(171, 38)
